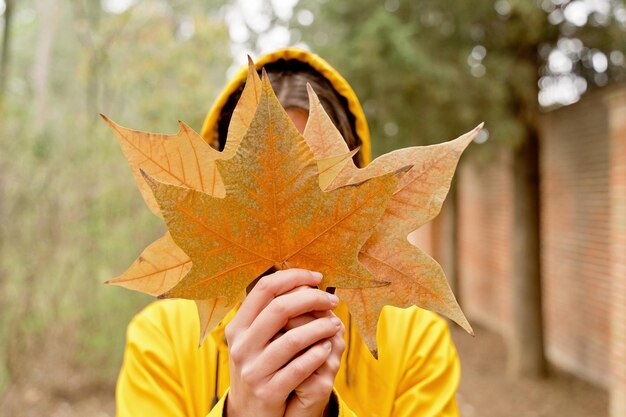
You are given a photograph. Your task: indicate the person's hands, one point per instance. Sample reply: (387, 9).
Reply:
(264, 369)
(312, 395)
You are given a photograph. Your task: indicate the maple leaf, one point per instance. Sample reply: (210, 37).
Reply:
(168, 158)
(273, 214)
(244, 111)
(163, 264)
(159, 267)
(415, 278)
(183, 158)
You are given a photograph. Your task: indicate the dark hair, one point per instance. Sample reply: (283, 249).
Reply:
(289, 79)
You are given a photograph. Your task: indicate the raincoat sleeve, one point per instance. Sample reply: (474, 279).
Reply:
(431, 376)
(148, 383)
(417, 373)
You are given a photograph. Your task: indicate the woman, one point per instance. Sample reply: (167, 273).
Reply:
(283, 352)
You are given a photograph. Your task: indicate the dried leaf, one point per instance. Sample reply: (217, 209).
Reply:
(415, 278)
(244, 111)
(159, 268)
(183, 158)
(273, 214)
(210, 313)
(330, 167)
(163, 264)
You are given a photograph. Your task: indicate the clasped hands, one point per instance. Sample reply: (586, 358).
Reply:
(285, 346)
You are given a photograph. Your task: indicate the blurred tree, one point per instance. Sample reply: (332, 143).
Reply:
(43, 56)
(7, 20)
(76, 218)
(428, 70)
(5, 48)
(90, 17)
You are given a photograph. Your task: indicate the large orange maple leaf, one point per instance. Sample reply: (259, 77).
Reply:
(255, 224)
(180, 159)
(274, 214)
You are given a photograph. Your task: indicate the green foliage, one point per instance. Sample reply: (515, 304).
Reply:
(71, 214)
(416, 69)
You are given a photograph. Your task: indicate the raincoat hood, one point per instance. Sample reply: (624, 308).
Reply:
(341, 86)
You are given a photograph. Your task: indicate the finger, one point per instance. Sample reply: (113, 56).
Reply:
(319, 384)
(286, 347)
(332, 364)
(300, 321)
(300, 288)
(288, 378)
(278, 312)
(270, 287)
(277, 336)
(305, 318)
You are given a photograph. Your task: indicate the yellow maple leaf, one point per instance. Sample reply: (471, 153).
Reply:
(415, 278)
(273, 214)
(163, 264)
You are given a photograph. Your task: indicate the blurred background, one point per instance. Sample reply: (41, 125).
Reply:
(532, 236)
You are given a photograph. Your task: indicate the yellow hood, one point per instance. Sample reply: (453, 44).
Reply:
(209, 128)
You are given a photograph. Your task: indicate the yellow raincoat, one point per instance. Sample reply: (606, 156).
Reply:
(164, 373)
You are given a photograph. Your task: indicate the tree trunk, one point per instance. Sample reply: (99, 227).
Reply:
(526, 355)
(6, 42)
(43, 54)
(4, 65)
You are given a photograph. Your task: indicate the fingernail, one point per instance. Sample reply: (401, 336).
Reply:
(333, 299)
(316, 274)
(336, 321)
(326, 344)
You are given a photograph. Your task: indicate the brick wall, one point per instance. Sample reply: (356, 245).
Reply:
(617, 123)
(574, 168)
(485, 226)
(583, 233)
(578, 249)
